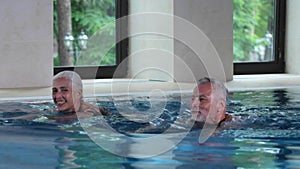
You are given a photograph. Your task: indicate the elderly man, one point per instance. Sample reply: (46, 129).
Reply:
(209, 102)
(67, 95)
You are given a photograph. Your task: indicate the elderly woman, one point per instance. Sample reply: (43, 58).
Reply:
(67, 95)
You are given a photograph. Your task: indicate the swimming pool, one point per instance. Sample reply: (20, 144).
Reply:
(268, 136)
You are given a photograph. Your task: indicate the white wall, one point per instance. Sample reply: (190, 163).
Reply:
(151, 42)
(292, 48)
(26, 43)
(205, 43)
(196, 41)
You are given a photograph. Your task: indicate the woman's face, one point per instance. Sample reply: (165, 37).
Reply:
(64, 97)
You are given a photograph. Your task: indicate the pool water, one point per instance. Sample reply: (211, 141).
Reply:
(267, 134)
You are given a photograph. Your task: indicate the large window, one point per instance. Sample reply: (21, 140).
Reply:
(104, 52)
(258, 35)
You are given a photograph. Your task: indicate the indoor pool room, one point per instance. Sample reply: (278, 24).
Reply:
(149, 84)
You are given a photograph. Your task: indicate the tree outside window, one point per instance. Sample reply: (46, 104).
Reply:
(89, 16)
(253, 30)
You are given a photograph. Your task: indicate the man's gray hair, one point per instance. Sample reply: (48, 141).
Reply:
(217, 86)
(72, 76)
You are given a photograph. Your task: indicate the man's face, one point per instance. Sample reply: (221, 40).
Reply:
(62, 95)
(201, 103)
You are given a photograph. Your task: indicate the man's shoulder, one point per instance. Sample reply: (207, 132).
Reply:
(228, 117)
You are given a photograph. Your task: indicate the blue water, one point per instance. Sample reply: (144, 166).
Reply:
(267, 134)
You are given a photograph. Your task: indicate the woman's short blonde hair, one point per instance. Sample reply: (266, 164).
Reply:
(71, 76)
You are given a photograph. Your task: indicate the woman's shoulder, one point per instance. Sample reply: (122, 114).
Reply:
(95, 110)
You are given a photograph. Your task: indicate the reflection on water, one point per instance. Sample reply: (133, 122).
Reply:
(267, 136)
(81, 152)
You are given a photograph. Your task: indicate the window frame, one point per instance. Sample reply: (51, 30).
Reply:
(278, 65)
(88, 72)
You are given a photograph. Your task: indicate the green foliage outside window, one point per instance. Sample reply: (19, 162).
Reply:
(252, 20)
(91, 16)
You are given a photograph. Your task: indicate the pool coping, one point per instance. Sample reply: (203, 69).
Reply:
(110, 87)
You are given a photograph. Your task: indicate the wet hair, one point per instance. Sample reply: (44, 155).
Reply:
(217, 86)
(71, 76)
